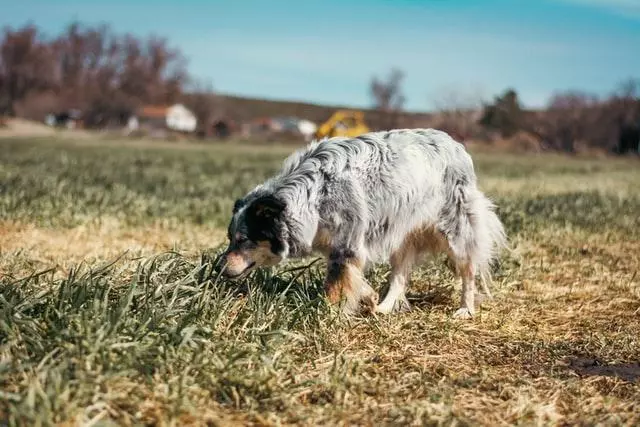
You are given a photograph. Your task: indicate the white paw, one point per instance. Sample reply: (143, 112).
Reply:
(463, 313)
(387, 307)
(384, 309)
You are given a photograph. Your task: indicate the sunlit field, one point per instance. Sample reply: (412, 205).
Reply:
(110, 310)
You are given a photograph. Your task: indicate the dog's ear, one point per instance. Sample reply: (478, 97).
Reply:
(237, 205)
(267, 207)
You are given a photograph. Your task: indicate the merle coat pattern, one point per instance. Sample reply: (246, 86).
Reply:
(381, 197)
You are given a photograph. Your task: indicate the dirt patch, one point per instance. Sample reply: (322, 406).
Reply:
(20, 127)
(586, 366)
(14, 128)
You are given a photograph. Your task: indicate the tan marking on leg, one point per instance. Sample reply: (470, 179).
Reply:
(421, 239)
(339, 284)
(347, 285)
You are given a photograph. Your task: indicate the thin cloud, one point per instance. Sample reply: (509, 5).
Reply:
(627, 8)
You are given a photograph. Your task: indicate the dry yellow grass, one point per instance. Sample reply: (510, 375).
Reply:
(25, 247)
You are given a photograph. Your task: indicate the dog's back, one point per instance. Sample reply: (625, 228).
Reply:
(390, 183)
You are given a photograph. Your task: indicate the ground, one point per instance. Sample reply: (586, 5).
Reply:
(110, 312)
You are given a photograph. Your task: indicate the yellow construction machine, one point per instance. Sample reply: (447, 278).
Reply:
(343, 123)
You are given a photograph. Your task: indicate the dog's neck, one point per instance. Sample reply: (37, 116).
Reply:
(301, 227)
(300, 220)
(299, 188)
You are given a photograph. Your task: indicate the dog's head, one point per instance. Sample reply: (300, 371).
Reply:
(256, 235)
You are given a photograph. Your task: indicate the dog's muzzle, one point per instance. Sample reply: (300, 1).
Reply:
(223, 268)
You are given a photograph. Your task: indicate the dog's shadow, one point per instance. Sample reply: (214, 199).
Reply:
(431, 285)
(439, 296)
(308, 277)
(427, 295)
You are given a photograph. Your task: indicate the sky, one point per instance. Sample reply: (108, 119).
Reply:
(327, 51)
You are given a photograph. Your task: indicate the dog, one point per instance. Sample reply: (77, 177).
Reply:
(388, 196)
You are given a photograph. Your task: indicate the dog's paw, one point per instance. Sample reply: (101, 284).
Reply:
(384, 309)
(398, 306)
(463, 313)
(368, 303)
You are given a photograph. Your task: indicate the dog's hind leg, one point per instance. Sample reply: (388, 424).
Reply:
(474, 234)
(485, 288)
(345, 283)
(424, 239)
(467, 303)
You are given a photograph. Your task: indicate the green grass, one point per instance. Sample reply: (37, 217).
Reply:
(110, 310)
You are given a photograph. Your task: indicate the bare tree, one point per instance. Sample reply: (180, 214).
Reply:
(388, 97)
(25, 65)
(570, 118)
(625, 102)
(575, 118)
(458, 112)
(202, 100)
(105, 74)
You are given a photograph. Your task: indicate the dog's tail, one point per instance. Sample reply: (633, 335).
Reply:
(489, 237)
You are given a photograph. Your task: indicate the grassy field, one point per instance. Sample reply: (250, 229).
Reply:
(110, 313)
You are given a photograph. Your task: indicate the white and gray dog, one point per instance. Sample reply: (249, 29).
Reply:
(381, 197)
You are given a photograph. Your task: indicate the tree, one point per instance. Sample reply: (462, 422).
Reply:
(388, 97)
(457, 112)
(571, 117)
(625, 102)
(625, 106)
(82, 54)
(26, 65)
(204, 104)
(505, 115)
(88, 67)
(574, 118)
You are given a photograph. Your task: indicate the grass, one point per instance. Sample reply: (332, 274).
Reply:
(110, 313)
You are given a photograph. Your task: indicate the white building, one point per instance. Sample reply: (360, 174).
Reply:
(175, 117)
(307, 128)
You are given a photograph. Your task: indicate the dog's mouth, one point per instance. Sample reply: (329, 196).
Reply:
(243, 272)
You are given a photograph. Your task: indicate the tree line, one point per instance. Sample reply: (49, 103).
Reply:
(571, 120)
(106, 74)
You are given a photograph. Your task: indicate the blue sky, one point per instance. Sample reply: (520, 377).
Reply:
(327, 51)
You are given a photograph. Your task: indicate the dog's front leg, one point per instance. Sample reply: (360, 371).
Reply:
(345, 282)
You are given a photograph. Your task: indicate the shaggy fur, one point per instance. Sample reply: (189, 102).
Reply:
(381, 197)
